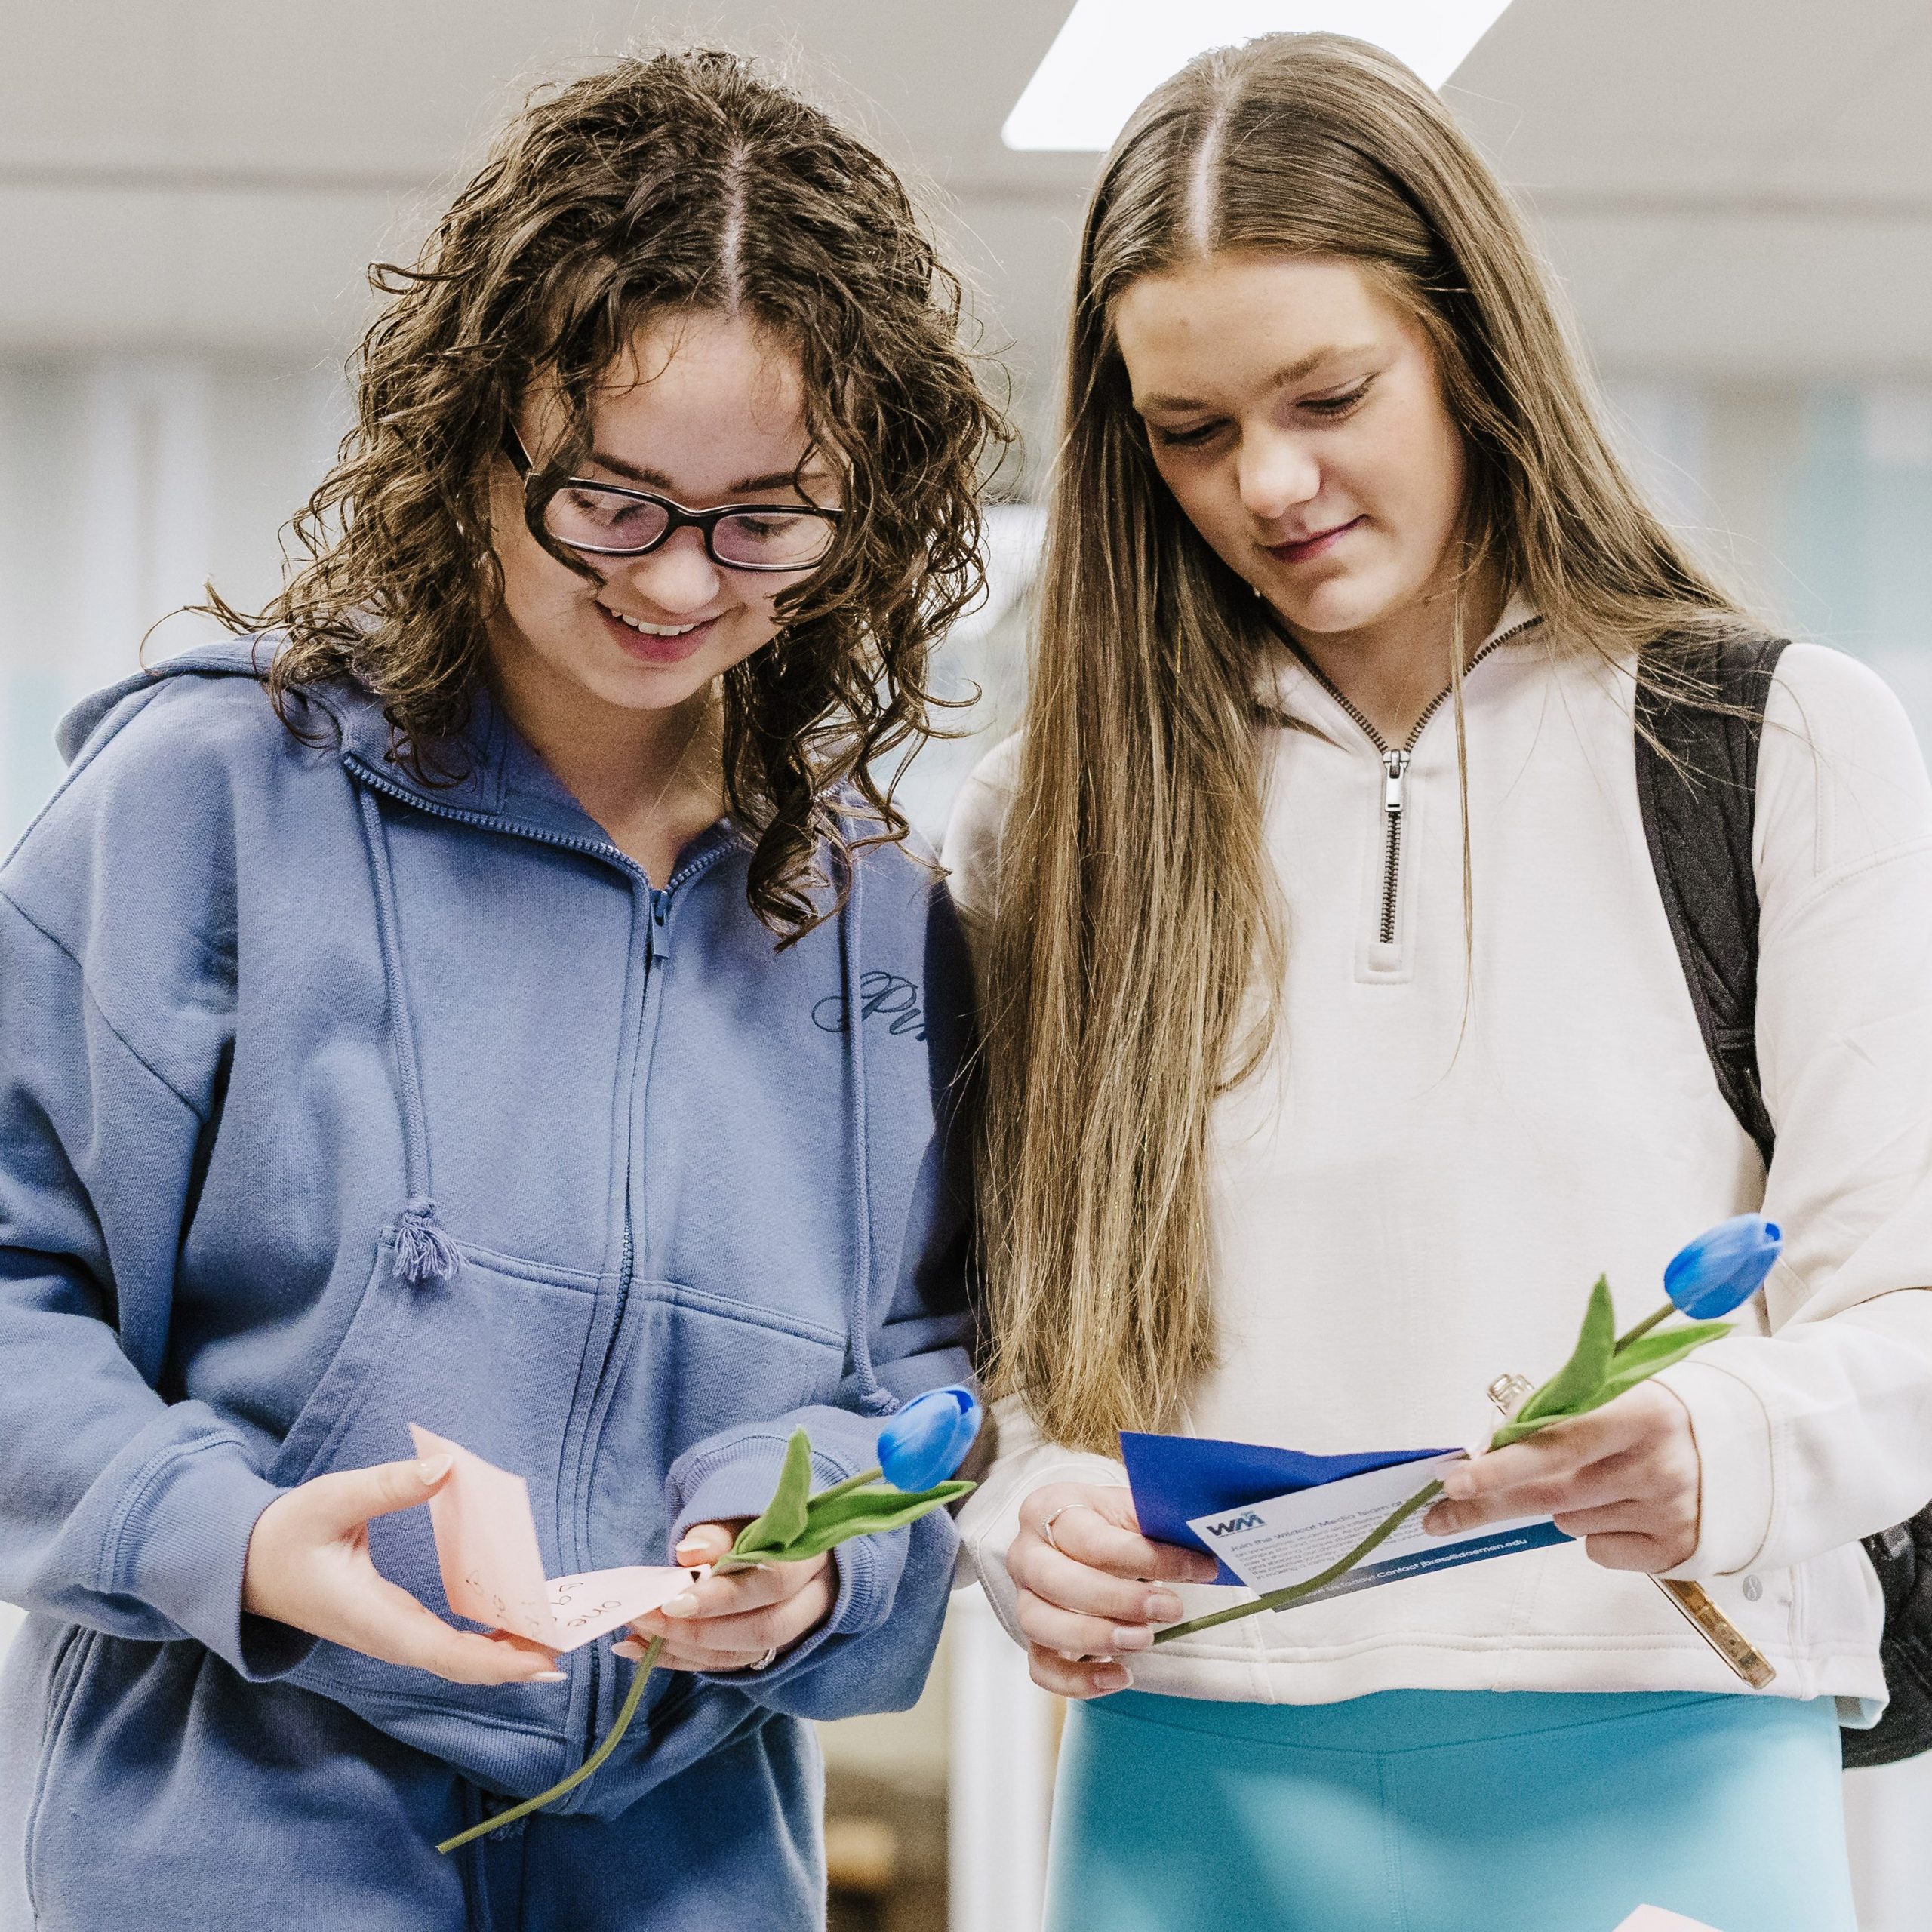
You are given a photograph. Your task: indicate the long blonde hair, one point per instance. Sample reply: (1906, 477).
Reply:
(1136, 904)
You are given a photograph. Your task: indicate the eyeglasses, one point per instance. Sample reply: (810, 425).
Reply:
(607, 520)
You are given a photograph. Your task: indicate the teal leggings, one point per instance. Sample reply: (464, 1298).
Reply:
(1448, 1811)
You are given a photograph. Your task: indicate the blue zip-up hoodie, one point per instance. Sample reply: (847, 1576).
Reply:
(331, 1101)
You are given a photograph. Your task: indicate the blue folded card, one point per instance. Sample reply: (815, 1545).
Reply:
(1178, 1481)
(1176, 1478)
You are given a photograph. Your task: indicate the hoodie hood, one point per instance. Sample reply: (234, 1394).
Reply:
(496, 773)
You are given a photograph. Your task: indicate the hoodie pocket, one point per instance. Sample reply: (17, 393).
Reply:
(688, 1364)
(70, 1661)
(499, 1357)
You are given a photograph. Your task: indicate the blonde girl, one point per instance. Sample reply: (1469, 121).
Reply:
(1338, 1041)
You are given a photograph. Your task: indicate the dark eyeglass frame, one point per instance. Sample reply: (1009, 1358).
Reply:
(706, 521)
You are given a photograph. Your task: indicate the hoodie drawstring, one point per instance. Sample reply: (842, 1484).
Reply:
(873, 1399)
(423, 1252)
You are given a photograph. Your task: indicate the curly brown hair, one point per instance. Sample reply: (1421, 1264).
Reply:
(675, 181)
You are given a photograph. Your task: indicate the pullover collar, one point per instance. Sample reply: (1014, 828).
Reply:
(1293, 696)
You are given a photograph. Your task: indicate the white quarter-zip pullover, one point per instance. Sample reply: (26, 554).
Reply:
(1452, 1140)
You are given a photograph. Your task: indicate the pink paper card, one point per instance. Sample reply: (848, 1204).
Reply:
(493, 1571)
(1655, 1918)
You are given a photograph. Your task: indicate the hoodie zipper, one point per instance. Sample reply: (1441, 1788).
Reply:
(1395, 760)
(657, 941)
(656, 936)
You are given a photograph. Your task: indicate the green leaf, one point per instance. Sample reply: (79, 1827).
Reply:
(783, 1522)
(1636, 1362)
(1514, 1431)
(865, 1512)
(1675, 1342)
(854, 1506)
(1570, 1390)
(1663, 1349)
(884, 1506)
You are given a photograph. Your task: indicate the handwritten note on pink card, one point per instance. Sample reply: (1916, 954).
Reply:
(493, 1571)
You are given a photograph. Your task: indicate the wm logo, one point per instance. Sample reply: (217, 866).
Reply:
(1233, 1525)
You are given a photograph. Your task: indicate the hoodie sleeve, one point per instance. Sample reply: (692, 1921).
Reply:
(119, 1509)
(873, 1651)
(1819, 1430)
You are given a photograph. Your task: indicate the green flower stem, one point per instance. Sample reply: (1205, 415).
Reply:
(612, 1737)
(645, 1665)
(1294, 1593)
(845, 1488)
(1644, 1326)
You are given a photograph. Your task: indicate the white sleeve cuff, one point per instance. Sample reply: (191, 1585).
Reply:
(1733, 1436)
(989, 1518)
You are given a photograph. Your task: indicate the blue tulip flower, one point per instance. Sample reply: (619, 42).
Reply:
(928, 1438)
(1723, 1268)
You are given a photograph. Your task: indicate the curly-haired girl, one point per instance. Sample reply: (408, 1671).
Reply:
(447, 1003)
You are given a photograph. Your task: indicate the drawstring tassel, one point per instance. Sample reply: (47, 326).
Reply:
(423, 1251)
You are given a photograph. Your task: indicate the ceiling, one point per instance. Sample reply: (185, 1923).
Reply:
(1726, 187)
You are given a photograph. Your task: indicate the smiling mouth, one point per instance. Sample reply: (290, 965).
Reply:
(647, 643)
(657, 630)
(1299, 548)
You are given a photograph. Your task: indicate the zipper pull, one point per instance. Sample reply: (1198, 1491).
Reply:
(658, 932)
(1396, 767)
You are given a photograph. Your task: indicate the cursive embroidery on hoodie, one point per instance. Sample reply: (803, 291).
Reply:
(882, 995)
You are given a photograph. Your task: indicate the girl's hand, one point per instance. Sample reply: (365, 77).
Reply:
(732, 1622)
(1626, 1478)
(308, 1566)
(1084, 1596)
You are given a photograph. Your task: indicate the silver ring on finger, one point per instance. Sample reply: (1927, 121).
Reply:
(1053, 1517)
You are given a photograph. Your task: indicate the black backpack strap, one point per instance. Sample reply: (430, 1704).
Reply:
(1697, 788)
(1697, 785)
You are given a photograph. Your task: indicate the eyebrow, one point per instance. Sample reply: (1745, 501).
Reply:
(1290, 373)
(656, 479)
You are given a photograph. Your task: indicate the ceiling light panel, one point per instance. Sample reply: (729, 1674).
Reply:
(1110, 53)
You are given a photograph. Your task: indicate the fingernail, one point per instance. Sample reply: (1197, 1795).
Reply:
(1115, 1677)
(550, 1677)
(1132, 1637)
(683, 1606)
(1437, 1523)
(1458, 1485)
(627, 1649)
(1162, 1607)
(433, 1469)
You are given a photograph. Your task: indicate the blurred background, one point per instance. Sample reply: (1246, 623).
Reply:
(1737, 195)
